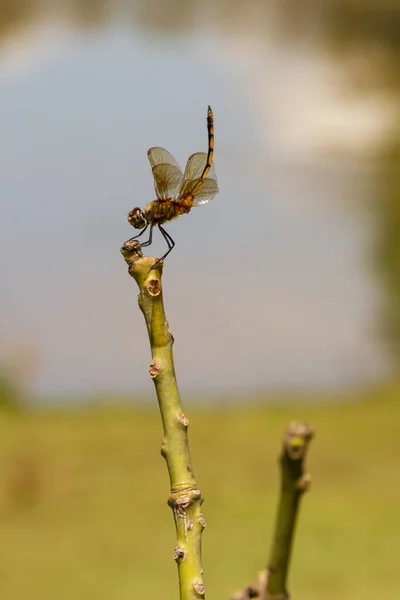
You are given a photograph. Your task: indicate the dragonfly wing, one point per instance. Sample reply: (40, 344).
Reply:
(159, 156)
(193, 172)
(195, 167)
(203, 190)
(167, 180)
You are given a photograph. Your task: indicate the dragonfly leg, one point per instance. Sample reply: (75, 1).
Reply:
(143, 244)
(168, 239)
(170, 243)
(150, 237)
(138, 235)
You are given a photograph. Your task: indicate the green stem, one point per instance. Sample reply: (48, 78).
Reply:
(294, 482)
(185, 498)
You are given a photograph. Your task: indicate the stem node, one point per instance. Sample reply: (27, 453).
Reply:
(154, 369)
(179, 554)
(200, 589)
(183, 420)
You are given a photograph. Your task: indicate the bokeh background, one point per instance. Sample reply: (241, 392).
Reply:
(283, 294)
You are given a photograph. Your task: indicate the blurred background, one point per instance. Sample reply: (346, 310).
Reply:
(283, 294)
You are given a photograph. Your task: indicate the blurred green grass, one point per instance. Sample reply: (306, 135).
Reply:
(83, 494)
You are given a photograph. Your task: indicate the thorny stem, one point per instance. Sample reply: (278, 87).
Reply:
(185, 498)
(294, 482)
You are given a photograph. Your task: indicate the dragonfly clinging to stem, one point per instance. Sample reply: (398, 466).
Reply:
(177, 192)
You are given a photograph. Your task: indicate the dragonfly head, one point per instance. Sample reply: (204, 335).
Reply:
(137, 218)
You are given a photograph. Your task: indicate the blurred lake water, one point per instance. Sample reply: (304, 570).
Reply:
(87, 87)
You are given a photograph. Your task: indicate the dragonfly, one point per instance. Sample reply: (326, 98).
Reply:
(177, 193)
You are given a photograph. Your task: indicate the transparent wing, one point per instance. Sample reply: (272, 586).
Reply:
(167, 180)
(195, 167)
(203, 190)
(159, 156)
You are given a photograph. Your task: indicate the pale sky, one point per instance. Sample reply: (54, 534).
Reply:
(267, 285)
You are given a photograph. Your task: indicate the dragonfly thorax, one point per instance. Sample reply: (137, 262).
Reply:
(137, 218)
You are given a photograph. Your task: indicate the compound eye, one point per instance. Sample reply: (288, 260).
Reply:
(136, 218)
(133, 214)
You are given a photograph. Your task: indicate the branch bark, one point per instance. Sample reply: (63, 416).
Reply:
(271, 583)
(185, 498)
(294, 482)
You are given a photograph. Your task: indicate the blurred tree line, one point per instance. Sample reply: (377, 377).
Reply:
(386, 253)
(374, 26)
(370, 28)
